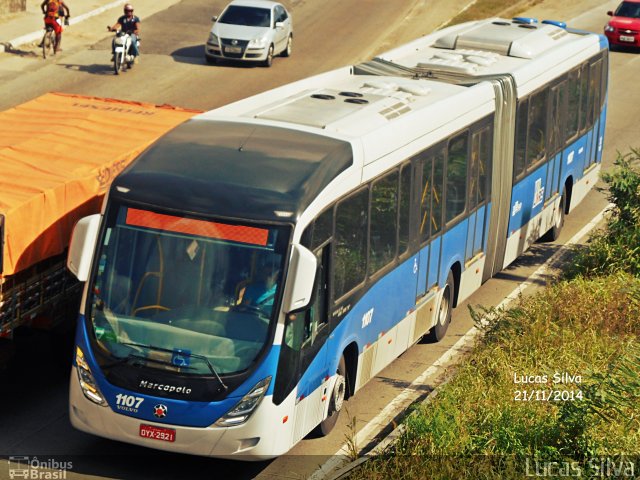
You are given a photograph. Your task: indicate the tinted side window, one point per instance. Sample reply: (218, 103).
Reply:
(484, 167)
(536, 142)
(384, 222)
(519, 163)
(437, 192)
(584, 96)
(323, 228)
(573, 104)
(456, 193)
(425, 199)
(405, 207)
(595, 73)
(350, 263)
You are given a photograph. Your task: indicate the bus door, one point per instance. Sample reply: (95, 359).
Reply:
(429, 175)
(311, 338)
(479, 190)
(557, 111)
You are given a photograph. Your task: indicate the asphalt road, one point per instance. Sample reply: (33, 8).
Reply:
(331, 33)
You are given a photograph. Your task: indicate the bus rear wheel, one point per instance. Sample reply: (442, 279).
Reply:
(443, 319)
(558, 221)
(336, 401)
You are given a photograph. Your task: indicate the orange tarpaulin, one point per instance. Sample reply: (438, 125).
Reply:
(58, 154)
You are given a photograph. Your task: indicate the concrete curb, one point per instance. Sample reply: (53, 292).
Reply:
(33, 36)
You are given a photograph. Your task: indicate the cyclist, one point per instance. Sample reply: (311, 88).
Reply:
(128, 23)
(54, 9)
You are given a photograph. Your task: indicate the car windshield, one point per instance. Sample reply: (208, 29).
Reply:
(249, 16)
(188, 295)
(628, 9)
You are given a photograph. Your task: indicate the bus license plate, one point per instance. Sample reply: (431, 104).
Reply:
(158, 433)
(626, 38)
(233, 49)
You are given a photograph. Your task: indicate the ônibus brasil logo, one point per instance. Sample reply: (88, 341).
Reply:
(160, 411)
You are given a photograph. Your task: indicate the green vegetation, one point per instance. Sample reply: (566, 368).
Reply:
(578, 341)
(617, 248)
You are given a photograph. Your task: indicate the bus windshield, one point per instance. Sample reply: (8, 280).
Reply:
(187, 295)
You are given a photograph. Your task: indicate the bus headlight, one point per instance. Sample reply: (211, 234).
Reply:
(87, 382)
(245, 407)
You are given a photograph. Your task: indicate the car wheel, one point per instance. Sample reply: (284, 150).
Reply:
(269, 60)
(287, 51)
(443, 320)
(210, 60)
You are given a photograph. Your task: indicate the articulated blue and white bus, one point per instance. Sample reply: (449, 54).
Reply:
(257, 265)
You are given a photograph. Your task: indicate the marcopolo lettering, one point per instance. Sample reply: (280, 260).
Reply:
(164, 388)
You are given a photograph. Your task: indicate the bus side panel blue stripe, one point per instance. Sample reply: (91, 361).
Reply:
(470, 233)
(453, 248)
(603, 124)
(422, 276)
(479, 243)
(434, 262)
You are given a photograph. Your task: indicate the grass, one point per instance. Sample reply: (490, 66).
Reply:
(586, 325)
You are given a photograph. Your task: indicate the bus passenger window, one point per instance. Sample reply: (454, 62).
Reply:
(350, 265)
(437, 192)
(584, 96)
(425, 199)
(473, 171)
(405, 206)
(536, 142)
(384, 220)
(573, 104)
(457, 176)
(484, 167)
(519, 162)
(323, 228)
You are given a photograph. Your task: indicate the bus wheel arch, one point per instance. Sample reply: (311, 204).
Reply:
(456, 271)
(568, 188)
(350, 355)
(444, 310)
(336, 398)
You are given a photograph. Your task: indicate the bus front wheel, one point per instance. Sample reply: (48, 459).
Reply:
(336, 401)
(443, 319)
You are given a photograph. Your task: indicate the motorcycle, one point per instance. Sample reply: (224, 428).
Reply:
(122, 56)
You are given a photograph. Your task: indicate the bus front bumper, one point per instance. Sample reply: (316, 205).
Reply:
(244, 442)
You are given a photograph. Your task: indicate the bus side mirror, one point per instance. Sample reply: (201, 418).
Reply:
(300, 281)
(83, 244)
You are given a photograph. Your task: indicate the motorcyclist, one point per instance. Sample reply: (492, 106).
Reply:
(128, 23)
(54, 9)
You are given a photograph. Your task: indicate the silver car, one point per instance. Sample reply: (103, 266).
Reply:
(250, 30)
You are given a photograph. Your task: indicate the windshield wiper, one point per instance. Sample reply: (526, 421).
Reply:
(160, 349)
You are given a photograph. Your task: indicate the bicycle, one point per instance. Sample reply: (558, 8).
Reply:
(48, 42)
(49, 39)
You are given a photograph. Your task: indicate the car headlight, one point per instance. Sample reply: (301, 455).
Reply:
(259, 42)
(213, 39)
(87, 382)
(609, 28)
(241, 412)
